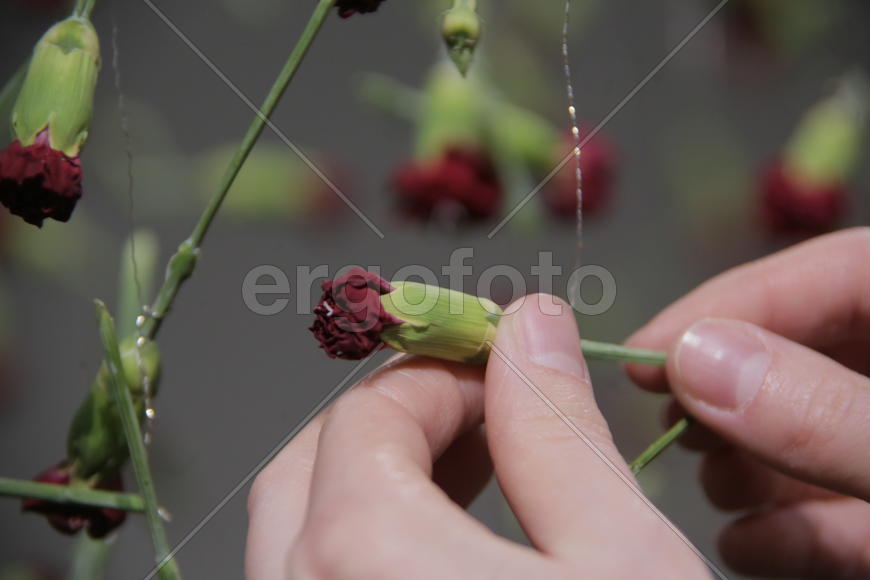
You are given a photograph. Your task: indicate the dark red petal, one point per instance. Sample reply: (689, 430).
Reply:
(794, 206)
(462, 176)
(598, 165)
(38, 182)
(350, 317)
(347, 8)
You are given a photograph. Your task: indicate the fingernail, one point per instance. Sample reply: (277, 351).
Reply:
(721, 363)
(550, 337)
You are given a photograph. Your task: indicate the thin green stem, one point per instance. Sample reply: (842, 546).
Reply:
(130, 419)
(138, 269)
(183, 263)
(660, 445)
(89, 558)
(616, 352)
(66, 494)
(83, 8)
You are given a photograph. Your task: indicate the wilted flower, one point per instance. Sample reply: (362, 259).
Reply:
(72, 518)
(360, 311)
(598, 167)
(347, 8)
(40, 174)
(461, 176)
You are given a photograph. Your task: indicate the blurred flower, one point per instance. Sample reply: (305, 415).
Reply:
(804, 191)
(347, 8)
(598, 167)
(71, 518)
(462, 176)
(40, 174)
(360, 311)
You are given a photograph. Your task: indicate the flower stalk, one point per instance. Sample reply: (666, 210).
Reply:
(168, 568)
(659, 445)
(66, 494)
(183, 263)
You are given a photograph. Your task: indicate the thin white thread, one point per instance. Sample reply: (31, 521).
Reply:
(575, 136)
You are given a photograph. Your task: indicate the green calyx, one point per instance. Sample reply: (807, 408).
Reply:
(461, 32)
(95, 444)
(440, 323)
(826, 145)
(451, 114)
(58, 90)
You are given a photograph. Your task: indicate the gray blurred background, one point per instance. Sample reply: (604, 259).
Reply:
(689, 145)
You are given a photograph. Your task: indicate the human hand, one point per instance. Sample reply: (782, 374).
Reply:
(772, 358)
(375, 488)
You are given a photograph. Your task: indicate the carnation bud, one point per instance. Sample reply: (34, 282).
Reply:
(461, 32)
(360, 311)
(40, 173)
(96, 443)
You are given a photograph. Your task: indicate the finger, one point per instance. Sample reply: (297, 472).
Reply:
(790, 406)
(815, 293)
(465, 468)
(697, 437)
(821, 539)
(374, 512)
(552, 450)
(276, 504)
(735, 481)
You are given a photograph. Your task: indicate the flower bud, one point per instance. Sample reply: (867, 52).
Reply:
(71, 518)
(461, 32)
(96, 444)
(40, 173)
(360, 311)
(805, 190)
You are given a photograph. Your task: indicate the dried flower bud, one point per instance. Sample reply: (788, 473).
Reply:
(360, 311)
(347, 8)
(71, 518)
(461, 32)
(40, 175)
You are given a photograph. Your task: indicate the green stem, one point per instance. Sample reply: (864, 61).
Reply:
(83, 8)
(89, 558)
(660, 445)
(133, 433)
(183, 263)
(66, 494)
(616, 352)
(138, 269)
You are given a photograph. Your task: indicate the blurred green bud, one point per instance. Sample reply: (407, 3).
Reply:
(451, 115)
(58, 90)
(96, 445)
(461, 32)
(826, 145)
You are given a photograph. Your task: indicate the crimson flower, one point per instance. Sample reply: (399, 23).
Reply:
(350, 316)
(71, 518)
(794, 205)
(598, 165)
(38, 182)
(347, 8)
(461, 175)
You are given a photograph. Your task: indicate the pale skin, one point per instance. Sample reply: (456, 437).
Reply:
(376, 487)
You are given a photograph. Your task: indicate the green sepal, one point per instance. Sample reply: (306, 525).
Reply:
(8, 95)
(826, 145)
(95, 444)
(525, 137)
(461, 32)
(451, 115)
(58, 90)
(440, 323)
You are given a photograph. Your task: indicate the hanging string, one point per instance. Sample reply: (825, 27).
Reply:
(141, 339)
(575, 136)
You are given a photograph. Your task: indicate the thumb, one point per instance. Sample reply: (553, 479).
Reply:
(792, 407)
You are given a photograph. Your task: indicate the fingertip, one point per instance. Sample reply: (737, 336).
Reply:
(648, 377)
